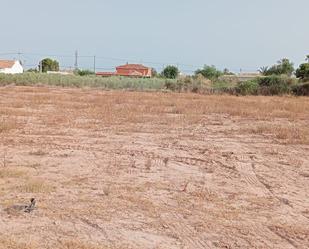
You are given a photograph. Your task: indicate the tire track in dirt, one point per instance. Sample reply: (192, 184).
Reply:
(209, 164)
(186, 234)
(198, 162)
(96, 227)
(282, 236)
(248, 174)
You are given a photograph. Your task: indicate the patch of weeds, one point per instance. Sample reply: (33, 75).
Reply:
(11, 173)
(35, 186)
(148, 164)
(38, 153)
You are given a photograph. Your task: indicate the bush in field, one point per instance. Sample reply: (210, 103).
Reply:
(181, 84)
(209, 72)
(283, 66)
(154, 72)
(301, 89)
(83, 72)
(275, 85)
(188, 84)
(303, 72)
(250, 87)
(169, 85)
(32, 70)
(170, 72)
(48, 64)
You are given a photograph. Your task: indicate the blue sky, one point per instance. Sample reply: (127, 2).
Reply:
(238, 34)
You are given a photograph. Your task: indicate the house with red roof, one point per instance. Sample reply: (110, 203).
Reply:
(11, 67)
(129, 70)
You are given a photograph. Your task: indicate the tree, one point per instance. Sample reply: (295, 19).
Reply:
(209, 72)
(48, 64)
(284, 66)
(263, 70)
(170, 72)
(303, 72)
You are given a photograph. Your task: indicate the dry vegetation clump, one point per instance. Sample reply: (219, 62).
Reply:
(7, 124)
(83, 245)
(11, 243)
(38, 153)
(289, 133)
(9, 172)
(35, 186)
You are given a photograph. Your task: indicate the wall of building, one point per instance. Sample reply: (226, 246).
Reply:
(15, 69)
(127, 71)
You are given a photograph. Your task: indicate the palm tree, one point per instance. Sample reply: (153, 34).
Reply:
(263, 70)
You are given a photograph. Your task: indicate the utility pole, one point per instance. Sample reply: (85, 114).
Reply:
(94, 63)
(76, 60)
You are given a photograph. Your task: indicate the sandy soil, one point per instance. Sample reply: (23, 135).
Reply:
(153, 170)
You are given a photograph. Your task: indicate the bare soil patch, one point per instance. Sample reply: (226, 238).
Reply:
(116, 169)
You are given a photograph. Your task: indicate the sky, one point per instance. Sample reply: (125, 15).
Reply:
(233, 34)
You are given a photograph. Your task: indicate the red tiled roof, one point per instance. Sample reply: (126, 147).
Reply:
(132, 66)
(131, 70)
(6, 63)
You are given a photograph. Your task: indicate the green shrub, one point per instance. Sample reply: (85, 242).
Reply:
(170, 72)
(187, 84)
(283, 66)
(301, 89)
(303, 72)
(209, 72)
(85, 72)
(250, 87)
(275, 85)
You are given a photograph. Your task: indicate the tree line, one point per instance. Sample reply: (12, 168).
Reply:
(282, 67)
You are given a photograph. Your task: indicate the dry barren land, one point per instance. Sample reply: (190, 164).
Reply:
(113, 169)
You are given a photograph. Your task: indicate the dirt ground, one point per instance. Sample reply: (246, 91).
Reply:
(119, 169)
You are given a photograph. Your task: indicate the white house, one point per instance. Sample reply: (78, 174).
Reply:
(11, 67)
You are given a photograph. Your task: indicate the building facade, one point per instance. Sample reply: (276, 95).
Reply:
(129, 70)
(11, 67)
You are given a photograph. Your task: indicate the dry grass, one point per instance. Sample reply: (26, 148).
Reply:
(35, 186)
(38, 153)
(11, 243)
(82, 245)
(7, 124)
(289, 133)
(9, 172)
(114, 108)
(153, 169)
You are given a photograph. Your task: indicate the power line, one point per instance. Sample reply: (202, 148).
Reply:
(184, 67)
(98, 58)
